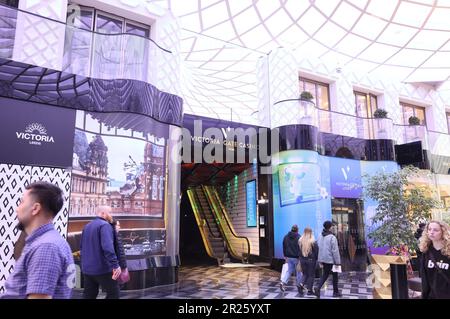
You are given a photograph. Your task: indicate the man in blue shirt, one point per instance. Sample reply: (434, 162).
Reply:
(45, 268)
(99, 262)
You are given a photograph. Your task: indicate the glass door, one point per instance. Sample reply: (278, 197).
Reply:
(347, 214)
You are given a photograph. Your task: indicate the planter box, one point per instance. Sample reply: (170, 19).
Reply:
(381, 279)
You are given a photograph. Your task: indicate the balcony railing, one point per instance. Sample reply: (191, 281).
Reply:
(33, 39)
(296, 111)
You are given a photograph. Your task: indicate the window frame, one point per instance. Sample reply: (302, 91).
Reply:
(414, 107)
(124, 23)
(368, 97)
(316, 84)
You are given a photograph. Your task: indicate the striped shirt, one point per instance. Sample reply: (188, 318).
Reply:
(45, 267)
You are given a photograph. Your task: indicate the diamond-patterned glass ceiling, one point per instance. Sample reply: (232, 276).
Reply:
(408, 40)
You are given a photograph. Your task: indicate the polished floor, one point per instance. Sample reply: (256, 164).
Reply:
(213, 282)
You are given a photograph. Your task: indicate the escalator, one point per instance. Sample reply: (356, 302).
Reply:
(215, 226)
(211, 236)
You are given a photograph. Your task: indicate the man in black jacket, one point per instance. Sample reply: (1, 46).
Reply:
(291, 252)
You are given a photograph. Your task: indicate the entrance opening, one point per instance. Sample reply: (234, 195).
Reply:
(347, 214)
(212, 219)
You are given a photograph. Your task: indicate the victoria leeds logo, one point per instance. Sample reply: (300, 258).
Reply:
(36, 134)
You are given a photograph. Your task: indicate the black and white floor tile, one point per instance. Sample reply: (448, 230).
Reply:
(212, 282)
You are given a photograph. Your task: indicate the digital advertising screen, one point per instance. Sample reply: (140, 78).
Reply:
(301, 193)
(250, 192)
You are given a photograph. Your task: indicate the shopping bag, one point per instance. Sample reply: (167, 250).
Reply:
(336, 268)
(124, 276)
(284, 271)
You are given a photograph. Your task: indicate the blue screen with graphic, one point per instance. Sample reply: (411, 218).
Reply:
(250, 188)
(303, 184)
(299, 183)
(301, 193)
(345, 178)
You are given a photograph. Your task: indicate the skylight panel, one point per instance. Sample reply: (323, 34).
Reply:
(255, 37)
(383, 9)
(267, 8)
(369, 26)
(439, 19)
(237, 7)
(191, 22)
(329, 34)
(214, 15)
(411, 58)
(326, 6)
(429, 40)
(438, 60)
(378, 52)
(311, 21)
(292, 36)
(225, 29)
(397, 35)
(346, 15)
(184, 8)
(429, 75)
(352, 45)
(246, 20)
(411, 14)
(278, 22)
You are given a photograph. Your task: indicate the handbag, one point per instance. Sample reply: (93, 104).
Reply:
(124, 276)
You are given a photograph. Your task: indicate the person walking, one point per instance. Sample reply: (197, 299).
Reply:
(45, 266)
(98, 257)
(309, 251)
(328, 257)
(291, 253)
(435, 263)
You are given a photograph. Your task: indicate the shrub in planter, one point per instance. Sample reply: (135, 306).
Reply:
(307, 96)
(414, 120)
(380, 114)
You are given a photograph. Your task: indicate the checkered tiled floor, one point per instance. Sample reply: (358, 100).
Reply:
(212, 282)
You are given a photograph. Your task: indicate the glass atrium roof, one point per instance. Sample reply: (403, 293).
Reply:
(407, 40)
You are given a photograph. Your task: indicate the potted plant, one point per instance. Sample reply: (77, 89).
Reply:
(414, 120)
(306, 96)
(380, 114)
(401, 206)
(381, 123)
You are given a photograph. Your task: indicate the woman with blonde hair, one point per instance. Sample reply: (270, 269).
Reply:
(309, 251)
(435, 265)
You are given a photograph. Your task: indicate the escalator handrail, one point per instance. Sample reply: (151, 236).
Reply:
(225, 214)
(203, 215)
(205, 237)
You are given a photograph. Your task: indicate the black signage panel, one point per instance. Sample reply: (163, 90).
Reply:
(36, 134)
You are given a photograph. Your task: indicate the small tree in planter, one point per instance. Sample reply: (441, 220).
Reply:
(414, 120)
(380, 114)
(306, 96)
(401, 207)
